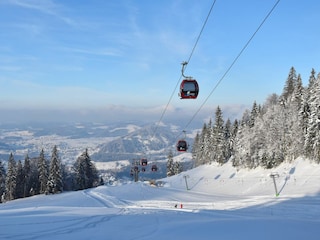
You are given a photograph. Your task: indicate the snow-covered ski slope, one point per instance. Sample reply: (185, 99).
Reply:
(221, 203)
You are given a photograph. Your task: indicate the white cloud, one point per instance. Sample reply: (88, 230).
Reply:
(44, 6)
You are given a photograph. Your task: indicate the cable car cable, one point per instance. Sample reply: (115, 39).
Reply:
(203, 26)
(232, 64)
(190, 56)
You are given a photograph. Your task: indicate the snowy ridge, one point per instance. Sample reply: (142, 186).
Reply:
(222, 203)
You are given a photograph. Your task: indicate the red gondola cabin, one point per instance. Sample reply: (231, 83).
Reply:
(144, 162)
(182, 146)
(189, 88)
(154, 168)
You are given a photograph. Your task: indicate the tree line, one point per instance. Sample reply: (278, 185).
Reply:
(42, 176)
(285, 127)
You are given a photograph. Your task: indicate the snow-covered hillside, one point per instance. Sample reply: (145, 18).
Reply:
(221, 203)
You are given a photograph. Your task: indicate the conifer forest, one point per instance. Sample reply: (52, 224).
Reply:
(42, 176)
(285, 127)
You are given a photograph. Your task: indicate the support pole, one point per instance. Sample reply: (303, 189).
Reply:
(185, 179)
(135, 170)
(274, 176)
(136, 175)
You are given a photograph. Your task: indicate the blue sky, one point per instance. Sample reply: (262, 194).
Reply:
(126, 55)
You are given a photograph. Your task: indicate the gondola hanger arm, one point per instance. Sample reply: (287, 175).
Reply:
(182, 70)
(184, 132)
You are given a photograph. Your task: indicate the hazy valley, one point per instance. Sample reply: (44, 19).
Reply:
(112, 146)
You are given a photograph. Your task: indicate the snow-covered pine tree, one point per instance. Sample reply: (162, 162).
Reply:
(20, 181)
(266, 161)
(170, 165)
(201, 148)
(54, 184)
(264, 136)
(291, 103)
(34, 184)
(312, 139)
(196, 147)
(177, 167)
(43, 170)
(227, 135)
(80, 173)
(86, 174)
(219, 141)
(289, 85)
(27, 176)
(294, 121)
(11, 184)
(233, 135)
(316, 145)
(254, 114)
(209, 138)
(2, 181)
(92, 172)
(256, 144)
(306, 101)
(273, 131)
(68, 178)
(284, 120)
(241, 145)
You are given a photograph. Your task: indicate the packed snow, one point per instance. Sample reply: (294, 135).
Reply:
(207, 202)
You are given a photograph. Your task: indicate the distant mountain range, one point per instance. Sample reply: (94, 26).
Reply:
(105, 142)
(149, 140)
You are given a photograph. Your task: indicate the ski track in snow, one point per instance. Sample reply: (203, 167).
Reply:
(213, 206)
(104, 200)
(54, 227)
